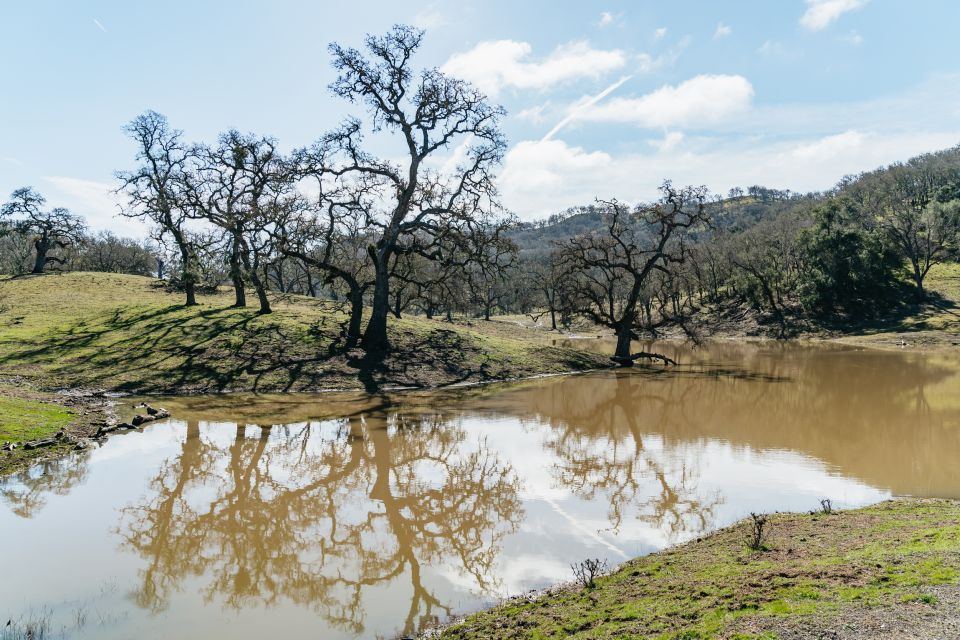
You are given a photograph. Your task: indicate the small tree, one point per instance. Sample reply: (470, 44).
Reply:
(325, 234)
(614, 267)
(246, 188)
(155, 190)
(926, 231)
(50, 229)
(758, 531)
(587, 572)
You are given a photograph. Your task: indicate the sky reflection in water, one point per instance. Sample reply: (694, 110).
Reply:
(347, 515)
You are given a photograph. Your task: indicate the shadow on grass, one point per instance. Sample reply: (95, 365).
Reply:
(894, 314)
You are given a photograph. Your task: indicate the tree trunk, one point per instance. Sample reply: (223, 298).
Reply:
(42, 246)
(236, 275)
(356, 316)
(261, 293)
(191, 290)
(375, 337)
(623, 345)
(397, 303)
(917, 279)
(553, 319)
(187, 274)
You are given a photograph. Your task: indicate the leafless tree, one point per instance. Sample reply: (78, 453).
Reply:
(49, 229)
(245, 187)
(326, 233)
(614, 266)
(430, 112)
(155, 189)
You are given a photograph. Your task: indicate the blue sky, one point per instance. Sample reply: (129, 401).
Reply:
(604, 98)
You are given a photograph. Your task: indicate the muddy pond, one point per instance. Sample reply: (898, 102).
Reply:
(366, 516)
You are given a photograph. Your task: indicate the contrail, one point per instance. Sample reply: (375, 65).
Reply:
(100, 26)
(584, 106)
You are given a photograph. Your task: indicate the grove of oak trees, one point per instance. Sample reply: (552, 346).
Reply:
(423, 230)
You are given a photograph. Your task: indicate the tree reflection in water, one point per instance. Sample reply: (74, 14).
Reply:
(318, 515)
(26, 493)
(600, 449)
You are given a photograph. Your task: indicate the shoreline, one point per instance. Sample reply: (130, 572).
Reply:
(815, 573)
(95, 406)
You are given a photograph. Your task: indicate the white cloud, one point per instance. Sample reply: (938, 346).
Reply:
(660, 33)
(607, 19)
(493, 65)
(13, 160)
(722, 31)
(774, 49)
(701, 100)
(583, 105)
(430, 18)
(803, 147)
(820, 13)
(853, 38)
(670, 141)
(95, 201)
(541, 178)
(535, 114)
(830, 146)
(99, 25)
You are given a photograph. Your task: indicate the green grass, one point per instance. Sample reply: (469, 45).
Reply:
(126, 333)
(22, 419)
(817, 566)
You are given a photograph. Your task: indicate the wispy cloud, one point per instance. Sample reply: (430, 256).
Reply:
(493, 65)
(93, 200)
(821, 13)
(819, 143)
(853, 38)
(12, 160)
(607, 19)
(774, 49)
(429, 18)
(722, 31)
(660, 33)
(99, 25)
(697, 102)
(583, 106)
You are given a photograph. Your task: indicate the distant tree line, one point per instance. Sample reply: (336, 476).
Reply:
(420, 229)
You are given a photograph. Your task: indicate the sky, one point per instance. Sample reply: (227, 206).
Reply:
(604, 99)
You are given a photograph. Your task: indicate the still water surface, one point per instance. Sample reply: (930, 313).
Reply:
(349, 515)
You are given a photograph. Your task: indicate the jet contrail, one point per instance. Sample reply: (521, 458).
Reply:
(100, 26)
(584, 106)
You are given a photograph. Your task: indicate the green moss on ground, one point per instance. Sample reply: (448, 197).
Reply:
(22, 419)
(816, 568)
(127, 333)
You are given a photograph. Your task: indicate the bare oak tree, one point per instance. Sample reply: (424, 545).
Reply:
(429, 112)
(246, 188)
(614, 266)
(49, 229)
(155, 189)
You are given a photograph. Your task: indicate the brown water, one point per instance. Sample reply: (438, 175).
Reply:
(356, 516)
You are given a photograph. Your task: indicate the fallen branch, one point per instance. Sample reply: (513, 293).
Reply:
(36, 444)
(649, 355)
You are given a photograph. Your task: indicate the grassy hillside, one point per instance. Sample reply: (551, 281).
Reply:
(935, 323)
(891, 566)
(126, 333)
